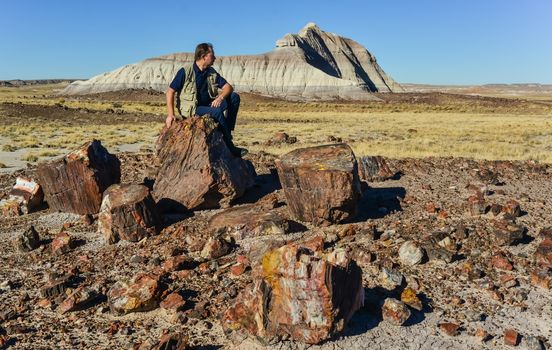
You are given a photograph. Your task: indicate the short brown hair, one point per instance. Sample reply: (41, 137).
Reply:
(202, 50)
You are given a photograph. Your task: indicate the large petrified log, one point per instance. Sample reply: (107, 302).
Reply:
(25, 196)
(301, 293)
(197, 170)
(128, 212)
(321, 184)
(75, 183)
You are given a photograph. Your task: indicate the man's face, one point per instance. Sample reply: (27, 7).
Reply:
(210, 58)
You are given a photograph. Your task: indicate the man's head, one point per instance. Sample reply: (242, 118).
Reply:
(204, 53)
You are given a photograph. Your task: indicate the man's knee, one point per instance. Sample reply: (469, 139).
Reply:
(217, 114)
(235, 98)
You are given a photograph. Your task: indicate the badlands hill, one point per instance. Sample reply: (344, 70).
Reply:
(313, 64)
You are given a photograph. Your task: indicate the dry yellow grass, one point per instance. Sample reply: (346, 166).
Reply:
(452, 126)
(484, 136)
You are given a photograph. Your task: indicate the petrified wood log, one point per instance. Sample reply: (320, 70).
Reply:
(75, 183)
(321, 184)
(128, 212)
(374, 168)
(197, 170)
(299, 293)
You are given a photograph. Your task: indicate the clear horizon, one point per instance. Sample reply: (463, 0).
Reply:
(423, 42)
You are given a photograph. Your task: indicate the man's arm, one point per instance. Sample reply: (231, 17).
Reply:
(170, 106)
(226, 91)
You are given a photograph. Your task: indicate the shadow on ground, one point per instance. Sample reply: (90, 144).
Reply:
(376, 203)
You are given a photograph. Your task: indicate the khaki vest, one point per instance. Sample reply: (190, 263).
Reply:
(186, 100)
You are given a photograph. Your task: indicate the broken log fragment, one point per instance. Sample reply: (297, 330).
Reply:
(75, 183)
(25, 196)
(374, 169)
(128, 212)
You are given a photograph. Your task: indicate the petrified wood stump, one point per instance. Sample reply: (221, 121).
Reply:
(128, 212)
(197, 170)
(299, 293)
(75, 183)
(321, 184)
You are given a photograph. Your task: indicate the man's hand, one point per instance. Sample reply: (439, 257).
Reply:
(169, 120)
(217, 102)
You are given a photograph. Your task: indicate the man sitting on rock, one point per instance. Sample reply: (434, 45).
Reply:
(201, 90)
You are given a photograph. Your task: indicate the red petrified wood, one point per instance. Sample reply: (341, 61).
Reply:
(306, 295)
(128, 212)
(197, 170)
(321, 184)
(75, 183)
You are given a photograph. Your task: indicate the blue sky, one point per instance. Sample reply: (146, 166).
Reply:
(424, 41)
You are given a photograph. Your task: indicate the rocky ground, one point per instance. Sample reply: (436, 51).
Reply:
(482, 281)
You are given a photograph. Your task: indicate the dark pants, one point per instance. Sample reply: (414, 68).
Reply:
(231, 104)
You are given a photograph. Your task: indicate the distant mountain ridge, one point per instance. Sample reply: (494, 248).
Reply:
(312, 64)
(20, 82)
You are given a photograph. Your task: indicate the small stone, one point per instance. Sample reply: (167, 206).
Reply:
(43, 303)
(541, 279)
(507, 232)
(508, 281)
(137, 259)
(141, 294)
(436, 252)
(395, 311)
(215, 248)
(390, 279)
(460, 233)
(409, 297)
(496, 209)
(511, 337)
(546, 232)
(78, 300)
(173, 301)
(174, 341)
(500, 262)
(62, 243)
(410, 253)
(443, 215)
(449, 328)
(28, 240)
(176, 263)
(481, 335)
(543, 255)
(431, 208)
(512, 208)
(456, 300)
(531, 343)
(476, 205)
(447, 243)
(237, 269)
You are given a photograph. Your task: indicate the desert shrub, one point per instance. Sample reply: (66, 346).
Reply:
(9, 148)
(30, 157)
